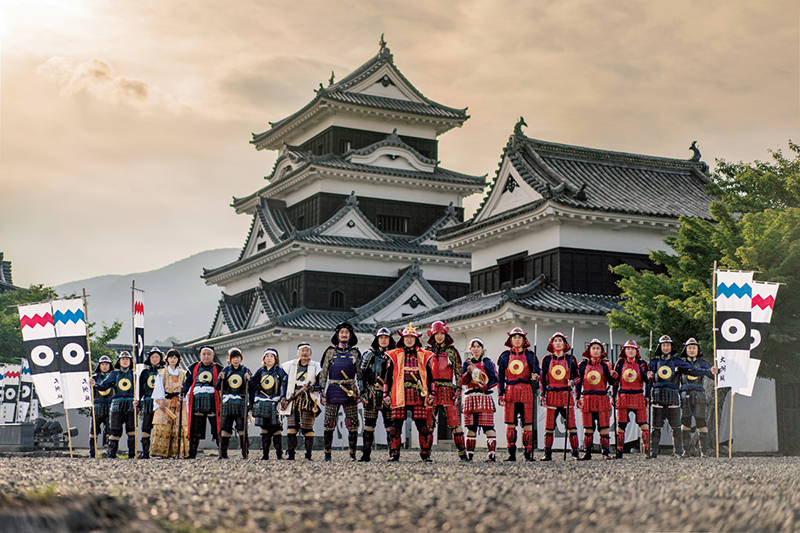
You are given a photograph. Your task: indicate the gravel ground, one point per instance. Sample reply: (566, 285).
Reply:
(667, 494)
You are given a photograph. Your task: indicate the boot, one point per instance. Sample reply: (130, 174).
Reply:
(460, 442)
(91, 447)
(327, 444)
(576, 456)
(677, 443)
(619, 444)
(132, 447)
(223, 447)
(277, 443)
(265, 446)
(548, 455)
(655, 438)
(605, 442)
(352, 441)
(145, 448)
(194, 443)
(527, 442)
(512, 454)
(292, 446)
(586, 456)
(618, 453)
(244, 445)
(366, 448)
(686, 436)
(705, 451)
(113, 446)
(308, 442)
(491, 443)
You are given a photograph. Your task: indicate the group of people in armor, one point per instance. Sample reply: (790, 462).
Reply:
(396, 379)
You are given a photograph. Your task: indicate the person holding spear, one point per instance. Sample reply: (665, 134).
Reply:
(122, 413)
(341, 370)
(102, 405)
(147, 383)
(629, 395)
(559, 373)
(596, 375)
(232, 383)
(301, 406)
(693, 397)
(203, 399)
(169, 420)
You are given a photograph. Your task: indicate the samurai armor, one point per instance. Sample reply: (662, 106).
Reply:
(266, 412)
(232, 407)
(666, 396)
(203, 404)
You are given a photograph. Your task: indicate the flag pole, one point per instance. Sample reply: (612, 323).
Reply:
(69, 431)
(730, 428)
(89, 357)
(569, 394)
(19, 391)
(613, 409)
(714, 336)
(135, 374)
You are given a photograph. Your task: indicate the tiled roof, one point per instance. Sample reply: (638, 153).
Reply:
(537, 295)
(602, 180)
(392, 140)
(412, 273)
(390, 243)
(339, 92)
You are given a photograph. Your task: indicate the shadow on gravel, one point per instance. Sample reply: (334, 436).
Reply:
(60, 514)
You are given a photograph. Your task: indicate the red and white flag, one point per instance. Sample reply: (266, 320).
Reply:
(138, 327)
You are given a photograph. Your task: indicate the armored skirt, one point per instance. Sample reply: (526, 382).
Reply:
(169, 425)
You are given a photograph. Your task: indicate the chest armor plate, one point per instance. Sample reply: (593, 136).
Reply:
(270, 382)
(124, 383)
(103, 393)
(631, 377)
(302, 375)
(148, 378)
(518, 367)
(235, 382)
(411, 368)
(376, 368)
(665, 372)
(442, 366)
(692, 380)
(559, 372)
(342, 362)
(594, 378)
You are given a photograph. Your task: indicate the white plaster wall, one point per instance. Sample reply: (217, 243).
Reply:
(350, 120)
(755, 419)
(604, 237)
(423, 195)
(533, 241)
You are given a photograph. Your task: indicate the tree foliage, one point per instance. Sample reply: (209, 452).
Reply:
(756, 227)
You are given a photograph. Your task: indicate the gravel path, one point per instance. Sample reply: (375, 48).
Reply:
(667, 494)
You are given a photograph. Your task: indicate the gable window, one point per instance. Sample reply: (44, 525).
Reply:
(392, 224)
(337, 300)
(262, 246)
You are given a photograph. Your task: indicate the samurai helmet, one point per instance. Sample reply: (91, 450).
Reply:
(410, 331)
(664, 338)
(564, 337)
(439, 327)
(274, 352)
(234, 352)
(631, 344)
(518, 331)
(123, 355)
(104, 359)
(692, 342)
(388, 333)
(153, 350)
(661, 340)
(344, 325)
(598, 342)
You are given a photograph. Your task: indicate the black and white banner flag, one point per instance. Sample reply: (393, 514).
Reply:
(138, 327)
(38, 337)
(11, 393)
(70, 324)
(733, 308)
(25, 392)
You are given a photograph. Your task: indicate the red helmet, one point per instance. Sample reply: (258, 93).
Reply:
(598, 342)
(439, 327)
(631, 344)
(564, 337)
(518, 331)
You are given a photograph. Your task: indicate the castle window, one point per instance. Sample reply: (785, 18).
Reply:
(392, 224)
(294, 299)
(337, 300)
(262, 246)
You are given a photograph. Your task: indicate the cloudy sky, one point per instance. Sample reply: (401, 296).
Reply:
(124, 126)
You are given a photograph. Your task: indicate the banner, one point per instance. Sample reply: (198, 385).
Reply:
(733, 318)
(2, 392)
(138, 327)
(38, 336)
(25, 391)
(70, 326)
(11, 393)
(763, 302)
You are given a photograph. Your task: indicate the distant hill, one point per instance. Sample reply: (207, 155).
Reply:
(177, 302)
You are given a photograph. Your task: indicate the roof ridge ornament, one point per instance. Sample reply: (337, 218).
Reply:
(383, 50)
(332, 80)
(352, 201)
(696, 155)
(518, 127)
(450, 210)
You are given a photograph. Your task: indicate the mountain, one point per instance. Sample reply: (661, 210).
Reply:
(177, 302)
